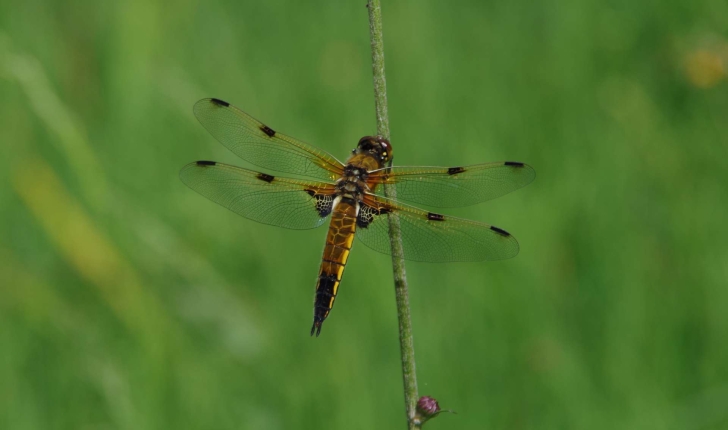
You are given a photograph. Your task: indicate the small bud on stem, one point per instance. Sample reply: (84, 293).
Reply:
(427, 408)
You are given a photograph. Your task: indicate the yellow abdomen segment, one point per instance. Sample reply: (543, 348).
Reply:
(338, 244)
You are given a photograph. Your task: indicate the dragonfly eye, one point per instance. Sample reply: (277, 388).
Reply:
(365, 143)
(376, 146)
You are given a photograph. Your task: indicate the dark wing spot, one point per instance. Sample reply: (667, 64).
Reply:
(435, 217)
(206, 163)
(513, 163)
(324, 203)
(220, 102)
(368, 213)
(365, 216)
(500, 231)
(310, 192)
(455, 170)
(266, 178)
(267, 130)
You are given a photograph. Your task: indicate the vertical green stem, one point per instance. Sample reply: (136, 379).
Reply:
(400, 277)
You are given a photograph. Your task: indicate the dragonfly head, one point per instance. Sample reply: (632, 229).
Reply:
(378, 147)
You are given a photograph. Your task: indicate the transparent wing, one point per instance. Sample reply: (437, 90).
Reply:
(431, 237)
(258, 144)
(260, 197)
(455, 186)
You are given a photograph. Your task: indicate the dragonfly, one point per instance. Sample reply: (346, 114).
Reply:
(350, 196)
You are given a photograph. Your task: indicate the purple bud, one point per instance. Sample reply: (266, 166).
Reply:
(428, 406)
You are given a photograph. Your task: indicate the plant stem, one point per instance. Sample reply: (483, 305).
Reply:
(400, 277)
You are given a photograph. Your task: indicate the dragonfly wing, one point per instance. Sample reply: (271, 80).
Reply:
(431, 237)
(261, 197)
(455, 186)
(259, 144)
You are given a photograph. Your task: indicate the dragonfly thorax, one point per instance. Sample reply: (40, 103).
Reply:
(355, 171)
(352, 183)
(369, 155)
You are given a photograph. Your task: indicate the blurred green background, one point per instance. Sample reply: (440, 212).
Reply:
(128, 301)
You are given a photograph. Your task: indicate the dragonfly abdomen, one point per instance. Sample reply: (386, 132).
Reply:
(336, 252)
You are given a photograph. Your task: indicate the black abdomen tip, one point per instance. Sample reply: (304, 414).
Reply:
(316, 328)
(513, 163)
(206, 163)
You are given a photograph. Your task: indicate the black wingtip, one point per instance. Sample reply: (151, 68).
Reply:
(219, 102)
(500, 231)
